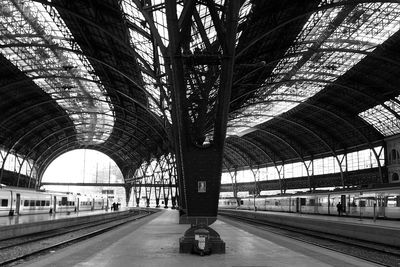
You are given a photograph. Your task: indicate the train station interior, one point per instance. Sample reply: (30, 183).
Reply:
(194, 106)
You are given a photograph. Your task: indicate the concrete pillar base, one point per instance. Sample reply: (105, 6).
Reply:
(202, 240)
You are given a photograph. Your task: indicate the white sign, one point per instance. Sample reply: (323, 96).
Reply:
(201, 186)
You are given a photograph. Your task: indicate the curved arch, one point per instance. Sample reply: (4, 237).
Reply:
(245, 160)
(66, 115)
(250, 157)
(55, 118)
(57, 153)
(102, 63)
(164, 137)
(82, 145)
(304, 128)
(230, 147)
(227, 158)
(333, 83)
(255, 145)
(337, 116)
(53, 133)
(63, 149)
(111, 155)
(298, 154)
(266, 154)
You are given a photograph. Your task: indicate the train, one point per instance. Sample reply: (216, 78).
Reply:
(369, 203)
(19, 201)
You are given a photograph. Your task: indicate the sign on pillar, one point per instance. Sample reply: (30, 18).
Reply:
(201, 186)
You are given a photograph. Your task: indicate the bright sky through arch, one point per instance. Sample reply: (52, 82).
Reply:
(83, 166)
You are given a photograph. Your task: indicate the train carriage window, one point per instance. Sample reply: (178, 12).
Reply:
(302, 201)
(32, 203)
(37, 203)
(312, 202)
(64, 201)
(43, 203)
(392, 201)
(26, 203)
(47, 203)
(4, 202)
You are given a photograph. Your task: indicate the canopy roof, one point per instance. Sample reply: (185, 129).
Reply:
(311, 79)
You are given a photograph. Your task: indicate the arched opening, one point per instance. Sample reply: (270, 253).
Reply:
(86, 166)
(395, 177)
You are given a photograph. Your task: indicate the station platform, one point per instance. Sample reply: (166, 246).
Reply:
(340, 219)
(154, 241)
(381, 231)
(13, 226)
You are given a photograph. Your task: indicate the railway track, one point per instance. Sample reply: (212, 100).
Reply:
(375, 253)
(17, 250)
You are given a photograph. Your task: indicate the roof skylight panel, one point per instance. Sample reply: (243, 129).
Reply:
(365, 27)
(145, 48)
(244, 11)
(208, 24)
(382, 120)
(41, 55)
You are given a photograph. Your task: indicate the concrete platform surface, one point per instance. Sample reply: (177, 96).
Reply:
(154, 241)
(382, 232)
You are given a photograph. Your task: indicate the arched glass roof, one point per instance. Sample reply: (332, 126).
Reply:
(332, 41)
(36, 40)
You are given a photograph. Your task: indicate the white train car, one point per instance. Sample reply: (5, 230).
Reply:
(24, 201)
(85, 203)
(20, 201)
(32, 202)
(63, 202)
(377, 203)
(6, 200)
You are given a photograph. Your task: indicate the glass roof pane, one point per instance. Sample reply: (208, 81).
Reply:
(142, 42)
(326, 48)
(382, 119)
(41, 45)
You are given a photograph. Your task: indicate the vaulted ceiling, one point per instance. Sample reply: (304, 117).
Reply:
(311, 79)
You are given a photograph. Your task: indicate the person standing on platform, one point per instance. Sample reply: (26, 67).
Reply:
(339, 208)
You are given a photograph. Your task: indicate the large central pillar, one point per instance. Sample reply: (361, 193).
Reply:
(200, 82)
